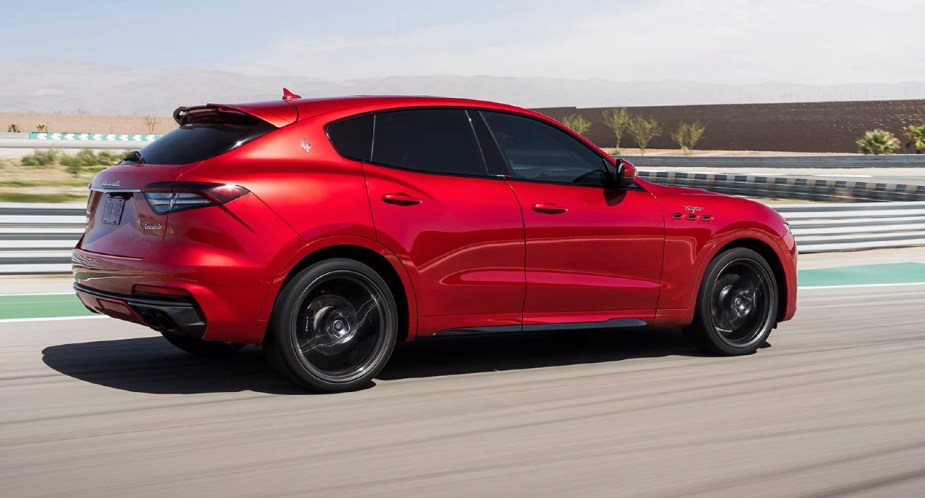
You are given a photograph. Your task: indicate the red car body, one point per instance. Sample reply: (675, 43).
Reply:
(489, 253)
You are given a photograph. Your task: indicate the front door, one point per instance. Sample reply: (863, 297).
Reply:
(593, 253)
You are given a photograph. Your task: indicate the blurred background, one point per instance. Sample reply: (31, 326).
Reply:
(815, 107)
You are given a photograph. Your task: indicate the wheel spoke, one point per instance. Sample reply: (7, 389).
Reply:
(340, 326)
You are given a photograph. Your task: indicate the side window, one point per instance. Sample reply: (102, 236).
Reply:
(352, 137)
(429, 140)
(538, 151)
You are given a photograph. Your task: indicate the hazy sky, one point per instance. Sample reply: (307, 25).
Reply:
(729, 41)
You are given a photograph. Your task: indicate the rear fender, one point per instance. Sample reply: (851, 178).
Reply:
(341, 240)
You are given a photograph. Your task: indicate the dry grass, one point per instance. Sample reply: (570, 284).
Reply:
(42, 183)
(84, 123)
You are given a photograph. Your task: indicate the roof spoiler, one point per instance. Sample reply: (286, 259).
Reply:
(185, 115)
(276, 113)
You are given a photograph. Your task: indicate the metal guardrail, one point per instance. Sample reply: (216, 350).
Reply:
(860, 225)
(37, 238)
(763, 186)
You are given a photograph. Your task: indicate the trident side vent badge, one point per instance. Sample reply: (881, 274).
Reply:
(306, 145)
(692, 214)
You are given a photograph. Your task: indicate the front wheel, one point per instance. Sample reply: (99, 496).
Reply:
(333, 327)
(736, 305)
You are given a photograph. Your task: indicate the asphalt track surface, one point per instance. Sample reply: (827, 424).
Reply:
(833, 406)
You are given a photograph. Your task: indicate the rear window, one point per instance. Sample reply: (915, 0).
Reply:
(205, 135)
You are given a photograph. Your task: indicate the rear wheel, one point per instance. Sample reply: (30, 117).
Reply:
(736, 305)
(334, 326)
(199, 347)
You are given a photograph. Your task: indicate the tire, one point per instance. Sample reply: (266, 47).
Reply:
(737, 304)
(199, 347)
(333, 327)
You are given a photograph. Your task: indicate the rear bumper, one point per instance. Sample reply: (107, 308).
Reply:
(170, 315)
(224, 300)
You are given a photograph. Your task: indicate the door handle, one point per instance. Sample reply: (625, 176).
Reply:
(400, 199)
(548, 208)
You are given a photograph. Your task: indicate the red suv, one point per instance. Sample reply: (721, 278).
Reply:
(327, 230)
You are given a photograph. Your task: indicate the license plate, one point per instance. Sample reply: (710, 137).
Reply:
(112, 210)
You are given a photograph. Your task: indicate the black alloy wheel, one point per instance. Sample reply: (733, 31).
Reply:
(737, 304)
(334, 326)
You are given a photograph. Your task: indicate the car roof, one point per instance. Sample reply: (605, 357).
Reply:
(284, 112)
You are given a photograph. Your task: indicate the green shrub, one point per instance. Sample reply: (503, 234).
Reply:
(109, 158)
(687, 135)
(72, 164)
(878, 142)
(41, 158)
(87, 159)
(616, 120)
(643, 131)
(13, 128)
(916, 134)
(577, 123)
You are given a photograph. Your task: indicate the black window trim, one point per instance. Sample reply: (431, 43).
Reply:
(495, 170)
(497, 164)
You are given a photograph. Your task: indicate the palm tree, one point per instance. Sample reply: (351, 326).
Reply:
(878, 142)
(916, 134)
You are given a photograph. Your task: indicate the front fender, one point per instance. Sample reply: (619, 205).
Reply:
(690, 246)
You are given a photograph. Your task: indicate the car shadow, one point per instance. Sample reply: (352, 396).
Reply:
(519, 351)
(151, 365)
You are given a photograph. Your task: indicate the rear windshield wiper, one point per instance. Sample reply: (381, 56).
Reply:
(134, 157)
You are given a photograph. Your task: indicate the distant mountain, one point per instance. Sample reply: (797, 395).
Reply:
(67, 86)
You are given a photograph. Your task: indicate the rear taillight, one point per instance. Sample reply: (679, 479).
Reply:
(172, 197)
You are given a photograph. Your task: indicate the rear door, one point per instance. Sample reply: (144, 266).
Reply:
(592, 253)
(459, 231)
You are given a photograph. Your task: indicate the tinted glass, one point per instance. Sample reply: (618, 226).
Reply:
(431, 140)
(353, 137)
(198, 141)
(538, 151)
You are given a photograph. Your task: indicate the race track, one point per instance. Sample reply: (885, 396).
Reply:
(835, 406)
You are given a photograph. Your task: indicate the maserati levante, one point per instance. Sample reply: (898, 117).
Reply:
(328, 230)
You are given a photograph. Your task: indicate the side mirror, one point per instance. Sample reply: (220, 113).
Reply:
(629, 175)
(620, 173)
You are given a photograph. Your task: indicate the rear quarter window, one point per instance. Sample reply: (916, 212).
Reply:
(353, 137)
